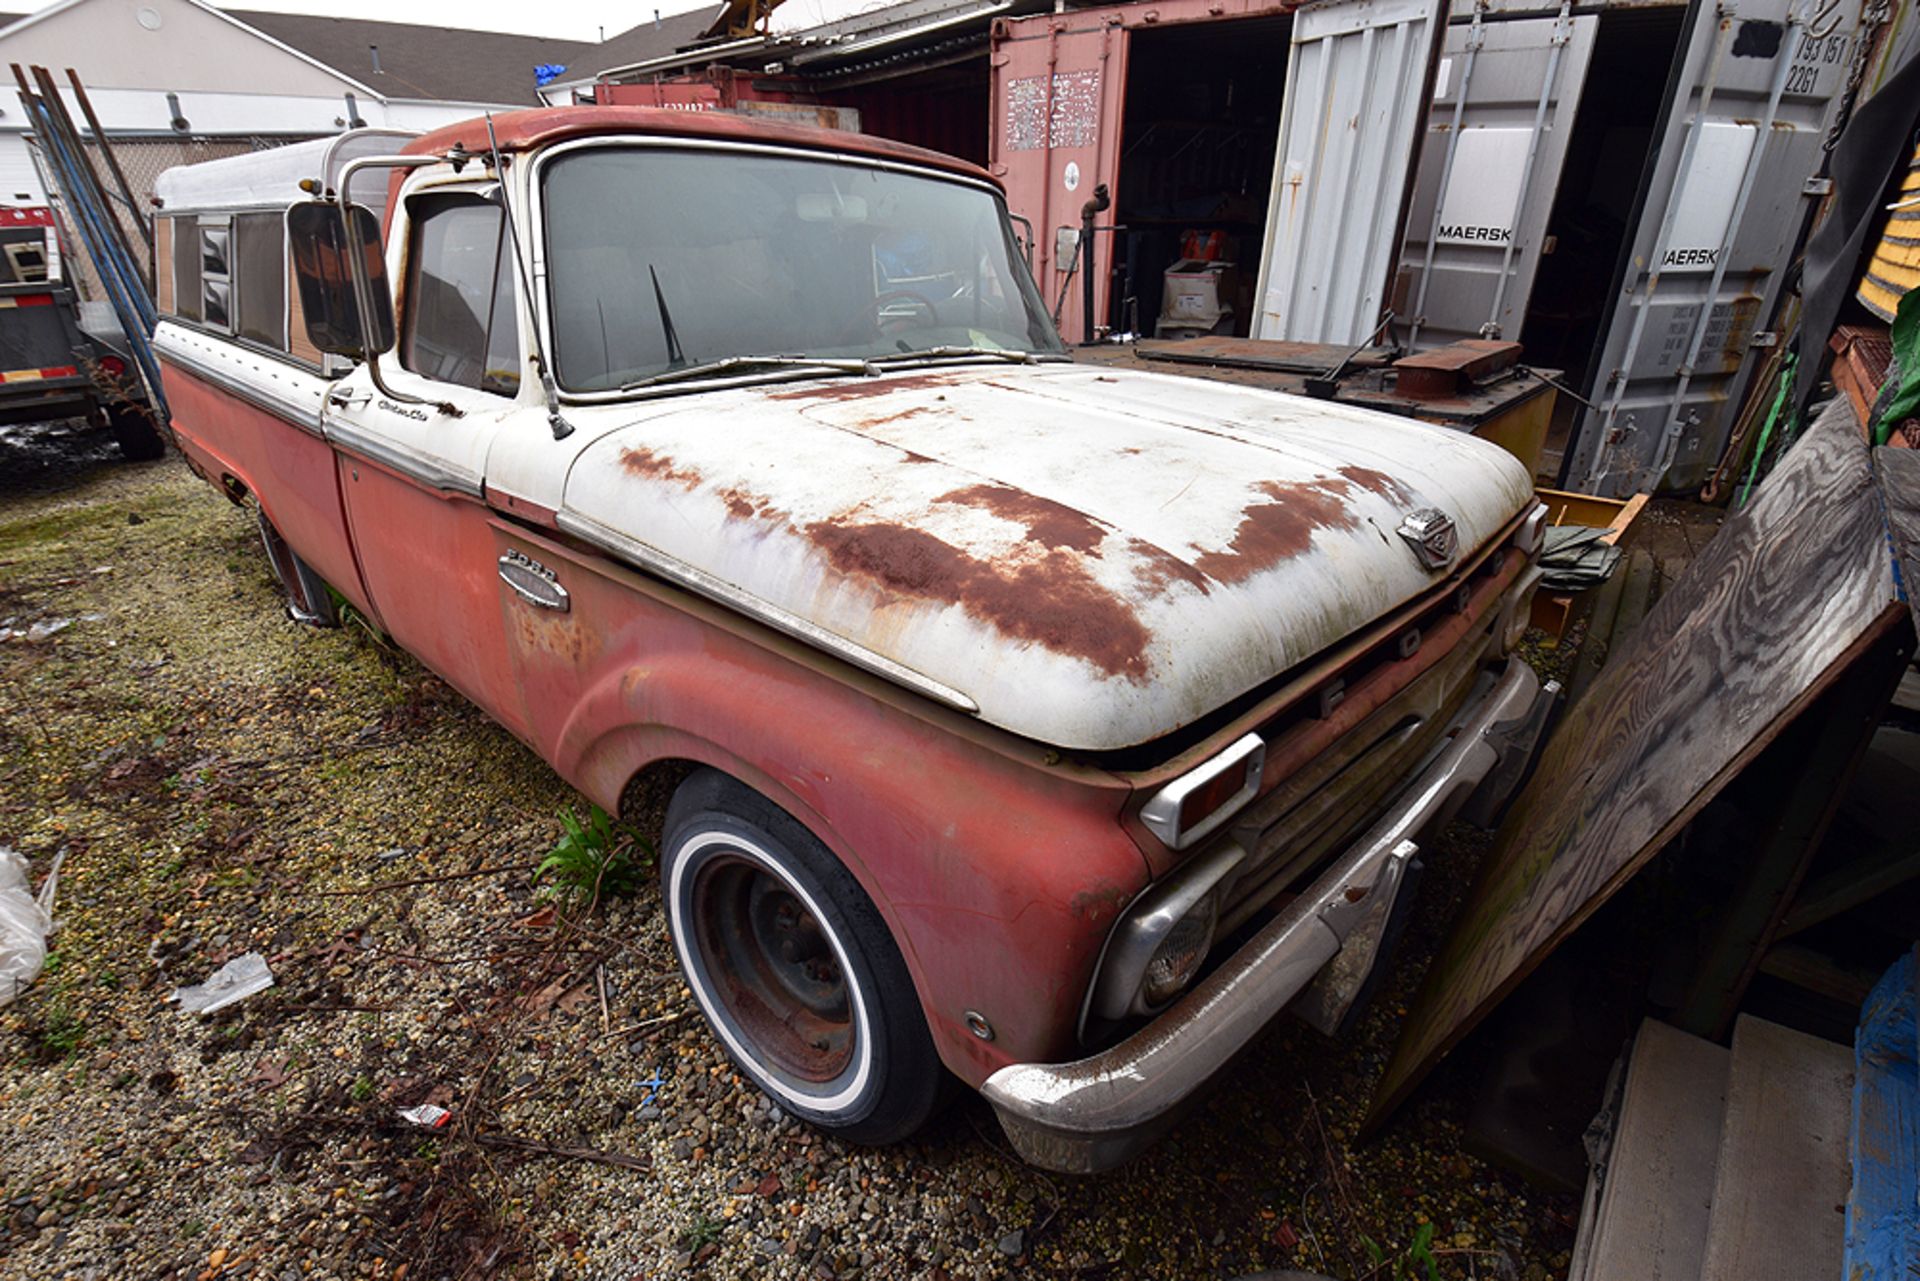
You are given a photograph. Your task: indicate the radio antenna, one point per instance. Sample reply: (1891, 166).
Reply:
(561, 427)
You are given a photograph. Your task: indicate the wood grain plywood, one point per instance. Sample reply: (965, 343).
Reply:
(1899, 474)
(1789, 591)
(163, 265)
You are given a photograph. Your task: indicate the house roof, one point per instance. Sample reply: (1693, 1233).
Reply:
(454, 65)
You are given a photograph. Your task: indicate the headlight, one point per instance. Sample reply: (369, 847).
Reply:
(1178, 958)
(1158, 943)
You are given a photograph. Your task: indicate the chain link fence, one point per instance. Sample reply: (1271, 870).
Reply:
(143, 160)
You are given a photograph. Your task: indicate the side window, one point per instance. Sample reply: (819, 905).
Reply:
(460, 325)
(186, 268)
(260, 279)
(216, 285)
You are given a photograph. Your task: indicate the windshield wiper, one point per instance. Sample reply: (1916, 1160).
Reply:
(1007, 354)
(734, 364)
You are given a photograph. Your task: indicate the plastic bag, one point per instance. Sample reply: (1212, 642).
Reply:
(235, 981)
(25, 922)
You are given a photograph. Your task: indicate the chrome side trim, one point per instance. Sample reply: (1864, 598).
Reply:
(286, 407)
(1094, 1113)
(353, 438)
(699, 581)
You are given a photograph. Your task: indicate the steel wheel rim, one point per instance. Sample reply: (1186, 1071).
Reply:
(774, 970)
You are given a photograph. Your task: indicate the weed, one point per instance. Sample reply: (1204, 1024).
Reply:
(362, 1090)
(1401, 1267)
(594, 858)
(61, 1033)
(701, 1231)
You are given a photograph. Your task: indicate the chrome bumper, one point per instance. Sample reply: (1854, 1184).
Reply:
(1093, 1114)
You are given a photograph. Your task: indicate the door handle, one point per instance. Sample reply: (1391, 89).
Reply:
(347, 399)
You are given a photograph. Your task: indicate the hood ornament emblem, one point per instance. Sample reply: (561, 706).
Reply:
(1431, 534)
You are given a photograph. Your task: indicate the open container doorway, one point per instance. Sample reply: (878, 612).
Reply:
(1199, 128)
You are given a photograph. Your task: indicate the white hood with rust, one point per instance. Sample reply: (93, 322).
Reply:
(1092, 557)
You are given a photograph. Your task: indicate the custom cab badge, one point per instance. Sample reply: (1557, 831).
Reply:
(1430, 532)
(533, 582)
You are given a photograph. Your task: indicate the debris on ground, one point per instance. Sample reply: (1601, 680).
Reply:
(25, 922)
(235, 981)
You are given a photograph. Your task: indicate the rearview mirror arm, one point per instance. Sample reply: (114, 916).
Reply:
(363, 287)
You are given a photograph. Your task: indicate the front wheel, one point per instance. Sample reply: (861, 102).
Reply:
(793, 966)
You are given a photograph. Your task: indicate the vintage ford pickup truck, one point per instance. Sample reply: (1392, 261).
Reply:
(1056, 727)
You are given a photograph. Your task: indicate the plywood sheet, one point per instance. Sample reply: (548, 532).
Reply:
(1788, 592)
(1899, 473)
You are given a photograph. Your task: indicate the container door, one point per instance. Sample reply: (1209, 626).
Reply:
(1059, 83)
(1722, 206)
(1504, 99)
(1349, 123)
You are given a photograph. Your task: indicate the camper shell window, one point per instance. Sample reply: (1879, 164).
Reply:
(260, 279)
(186, 269)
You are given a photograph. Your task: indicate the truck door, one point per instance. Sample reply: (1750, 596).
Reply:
(1059, 86)
(1349, 127)
(1721, 206)
(412, 472)
(1504, 99)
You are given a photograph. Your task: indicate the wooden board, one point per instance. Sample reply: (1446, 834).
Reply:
(1651, 1222)
(1899, 474)
(1781, 1181)
(1784, 597)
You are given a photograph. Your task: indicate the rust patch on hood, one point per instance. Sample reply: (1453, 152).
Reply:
(863, 388)
(1051, 601)
(1391, 488)
(1051, 524)
(1282, 526)
(641, 461)
(1159, 569)
(742, 505)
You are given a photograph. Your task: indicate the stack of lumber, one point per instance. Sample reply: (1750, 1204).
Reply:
(1784, 1158)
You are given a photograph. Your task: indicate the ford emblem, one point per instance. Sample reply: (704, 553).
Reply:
(533, 582)
(1430, 532)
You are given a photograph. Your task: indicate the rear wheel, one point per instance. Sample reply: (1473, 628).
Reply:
(308, 600)
(133, 431)
(793, 966)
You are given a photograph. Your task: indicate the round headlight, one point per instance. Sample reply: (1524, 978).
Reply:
(1178, 957)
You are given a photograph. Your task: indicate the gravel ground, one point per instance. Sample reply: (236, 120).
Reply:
(224, 781)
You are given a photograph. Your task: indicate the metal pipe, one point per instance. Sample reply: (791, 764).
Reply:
(119, 175)
(56, 110)
(1102, 200)
(1562, 32)
(1597, 470)
(1670, 439)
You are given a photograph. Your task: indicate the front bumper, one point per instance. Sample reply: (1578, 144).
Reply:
(1094, 1113)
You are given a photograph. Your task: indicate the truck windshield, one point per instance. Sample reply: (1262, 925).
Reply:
(664, 259)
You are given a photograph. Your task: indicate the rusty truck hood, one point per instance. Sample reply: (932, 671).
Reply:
(1092, 558)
